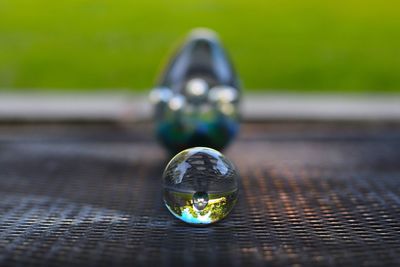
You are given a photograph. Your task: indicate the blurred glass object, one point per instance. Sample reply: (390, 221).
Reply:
(196, 100)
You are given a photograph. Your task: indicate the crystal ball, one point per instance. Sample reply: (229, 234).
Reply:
(200, 186)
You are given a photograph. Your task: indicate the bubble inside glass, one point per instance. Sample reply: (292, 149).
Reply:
(200, 186)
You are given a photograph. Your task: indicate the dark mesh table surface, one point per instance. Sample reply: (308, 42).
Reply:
(310, 194)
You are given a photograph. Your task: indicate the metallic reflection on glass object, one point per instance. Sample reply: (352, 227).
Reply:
(196, 99)
(196, 89)
(200, 186)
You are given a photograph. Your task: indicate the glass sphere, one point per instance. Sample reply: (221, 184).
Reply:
(200, 186)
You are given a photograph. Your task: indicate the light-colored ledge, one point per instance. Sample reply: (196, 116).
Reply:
(111, 106)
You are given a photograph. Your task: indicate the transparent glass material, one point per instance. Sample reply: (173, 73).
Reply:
(196, 99)
(200, 186)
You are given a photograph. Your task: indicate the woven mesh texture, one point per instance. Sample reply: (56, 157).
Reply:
(310, 195)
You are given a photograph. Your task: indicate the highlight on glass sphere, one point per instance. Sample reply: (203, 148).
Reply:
(200, 186)
(196, 99)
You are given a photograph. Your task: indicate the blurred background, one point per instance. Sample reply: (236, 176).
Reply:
(280, 46)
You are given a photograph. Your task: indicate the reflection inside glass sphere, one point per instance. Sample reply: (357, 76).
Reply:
(200, 186)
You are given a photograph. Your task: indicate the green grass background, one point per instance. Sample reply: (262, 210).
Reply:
(281, 45)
